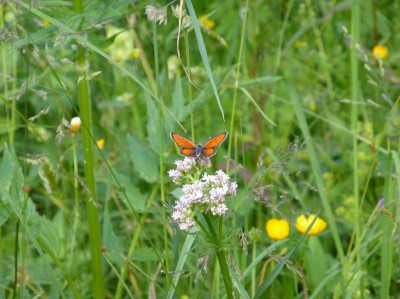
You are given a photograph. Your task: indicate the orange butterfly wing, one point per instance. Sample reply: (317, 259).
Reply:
(188, 152)
(182, 142)
(216, 141)
(210, 146)
(209, 152)
(188, 148)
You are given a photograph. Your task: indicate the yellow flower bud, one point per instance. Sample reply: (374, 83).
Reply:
(75, 124)
(100, 143)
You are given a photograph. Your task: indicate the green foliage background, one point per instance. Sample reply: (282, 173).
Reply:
(313, 124)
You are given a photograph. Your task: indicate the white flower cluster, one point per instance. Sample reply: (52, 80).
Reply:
(186, 167)
(205, 195)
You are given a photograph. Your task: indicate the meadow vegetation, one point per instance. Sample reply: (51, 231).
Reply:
(301, 199)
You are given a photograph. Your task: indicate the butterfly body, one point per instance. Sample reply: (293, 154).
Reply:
(200, 151)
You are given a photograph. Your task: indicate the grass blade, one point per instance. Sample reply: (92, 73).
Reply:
(181, 262)
(203, 53)
(248, 95)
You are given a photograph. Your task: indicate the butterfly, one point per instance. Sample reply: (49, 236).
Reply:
(205, 150)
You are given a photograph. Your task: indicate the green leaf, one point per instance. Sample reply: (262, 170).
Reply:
(15, 202)
(177, 193)
(130, 195)
(143, 159)
(153, 127)
(177, 107)
(143, 255)
(50, 279)
(316, 262)
(12, 197)
(111, 240)
(9, 170)
(4, 215)
(49, 234)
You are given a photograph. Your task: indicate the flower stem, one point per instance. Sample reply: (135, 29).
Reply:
(219, 251)
(89, 164)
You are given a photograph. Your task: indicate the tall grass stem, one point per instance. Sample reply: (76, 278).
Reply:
(85, 109)
(355, 94)
(233, 109)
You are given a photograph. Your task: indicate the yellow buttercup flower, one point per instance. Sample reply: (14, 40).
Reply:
(75, 124)
(277, 229)
(100, 143)
(380, 51)
(46, 23)
(299, 44)
(135, 53)
(303, 222)
(210, 24)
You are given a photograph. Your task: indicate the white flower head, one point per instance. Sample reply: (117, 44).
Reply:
(187, 168)
(207, 194)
